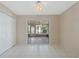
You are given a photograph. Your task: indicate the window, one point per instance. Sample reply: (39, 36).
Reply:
(44, 28)
(31, 29)
(38, 29)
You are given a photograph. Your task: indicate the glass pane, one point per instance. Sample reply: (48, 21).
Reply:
(37, 28)
(29, 29)
(32, 29)
(44, 28)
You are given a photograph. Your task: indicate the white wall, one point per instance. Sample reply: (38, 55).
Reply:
(54, 29)
(7, 32)
(69, 31)
(21, 29)
(7, 29)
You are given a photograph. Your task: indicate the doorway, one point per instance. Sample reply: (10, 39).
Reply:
(38, 32)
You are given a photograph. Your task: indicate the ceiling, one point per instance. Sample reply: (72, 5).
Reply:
(28, 7)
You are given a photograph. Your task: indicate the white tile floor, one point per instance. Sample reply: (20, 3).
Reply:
(32, 51)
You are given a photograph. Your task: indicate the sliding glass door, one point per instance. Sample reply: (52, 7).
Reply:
(38, 33)
(38, 29)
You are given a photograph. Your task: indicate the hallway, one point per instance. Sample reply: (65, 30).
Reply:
(36, 51)
(29, 31)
